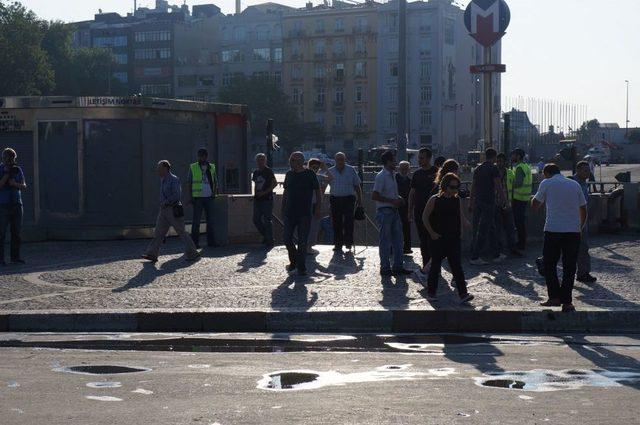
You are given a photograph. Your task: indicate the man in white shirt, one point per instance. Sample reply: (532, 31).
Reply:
(388, 200)
(566, 214)
(345, 194)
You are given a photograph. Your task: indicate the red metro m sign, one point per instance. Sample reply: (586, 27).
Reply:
(487, 20)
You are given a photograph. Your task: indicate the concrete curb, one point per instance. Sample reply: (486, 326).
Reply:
(375, 321)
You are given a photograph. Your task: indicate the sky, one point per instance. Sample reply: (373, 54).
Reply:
(572, 51)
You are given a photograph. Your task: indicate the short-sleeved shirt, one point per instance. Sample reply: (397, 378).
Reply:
(423, 184)
(299, 188)
(563, 198)
(343, 182)
(484, 185)
(10, 195)
(385, 184)
(404, 185)
(263, 179)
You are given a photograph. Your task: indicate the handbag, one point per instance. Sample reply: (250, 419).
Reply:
(178, 210)
(359, 214)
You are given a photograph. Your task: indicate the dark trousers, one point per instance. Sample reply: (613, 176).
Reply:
(484, 230)
(505, 229)
(342, 217)
(520, 219)
(263, 219)
(556, 245)
(424, 237)
(200, 205)
(297, 255)
(11, 216)
(449, 248)
(406, 227)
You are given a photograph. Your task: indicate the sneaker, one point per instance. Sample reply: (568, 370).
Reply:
(586, 278)
(150, 258)
(432, 297)
(386, 273)
(478, 262)
(540, 266)
(291, 268)
(551, 303)
(401, 272)
(465, 299)
(499, 259)
(568, 308)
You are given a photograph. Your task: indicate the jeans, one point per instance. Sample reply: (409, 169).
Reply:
(484, 230)
(449, 248)
(556, 245)
(164, 222)
(11, 216)
(200, 204)
(406, 227)
(342, 215)
(584, 259)
(263, 219)
(297, 255)
(505, 228)
(520, 220)
(424, 237)
(390, 236)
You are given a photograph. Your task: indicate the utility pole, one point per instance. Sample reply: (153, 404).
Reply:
(626, 133)
(488, 102)
(401, 141)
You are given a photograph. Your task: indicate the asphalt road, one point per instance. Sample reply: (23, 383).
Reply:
(366, 380)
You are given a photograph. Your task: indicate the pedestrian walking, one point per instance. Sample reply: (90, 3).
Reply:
(422, 186)
(299, 186)
(484, 196)
(388, 201)
(444, 219)
(345, 194)
(403, 179)
(320, 169)
(584, 259)
(566, 214)
(202, 188)
(265, 181)
(505, 227)
(520, 190)
(171, 214)
(12, 183)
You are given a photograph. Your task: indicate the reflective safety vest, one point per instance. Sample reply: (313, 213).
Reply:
(510, 176)
(522, 193)
(196, 179)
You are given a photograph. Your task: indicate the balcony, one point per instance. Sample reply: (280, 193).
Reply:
(361, 29)
(320, 56)
(319, 81)
(297, 56)
(297, 33)
(338, 55)
(319, 106)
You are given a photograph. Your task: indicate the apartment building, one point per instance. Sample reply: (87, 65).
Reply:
(330, 71)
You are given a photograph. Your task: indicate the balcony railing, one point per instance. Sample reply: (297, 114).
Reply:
(361, 29)
(320, 56)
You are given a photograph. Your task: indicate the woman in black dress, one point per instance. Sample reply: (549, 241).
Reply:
(443, 217)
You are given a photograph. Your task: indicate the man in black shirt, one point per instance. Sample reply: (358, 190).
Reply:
(299, 185)
(422, 184)
(404, 188)
(486, 186)
(265, 181)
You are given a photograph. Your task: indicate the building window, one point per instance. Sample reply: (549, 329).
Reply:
(320, 46)
(151, 54)
(338, 47)
(339, 24)
(360, 69)
(340, 71)
(232, 56)
(339, 95)
(123, 77)
(187, 80)
(295, 96)
(296, 72)
(277, 77)
(319, 26)
(262, 32)
(339, 120)
(449, 31)
(226, 79)
(115, 41)
(393, 94)
(239, 33)
(425, 118)
(425, 70)
(151, 72)
(359, 95)
(320, 120)
(320, 95)
(121, 58)
(393, 119)
(155, 89)
(393, 69)
(277, 54)
(295, 47)
(206, 81)
(425, 46)
(359, 119)
(360, 45)
(262, 55)
(226, 34)
(146, 36)
(319, 71)
(425, 94)
(362, 24)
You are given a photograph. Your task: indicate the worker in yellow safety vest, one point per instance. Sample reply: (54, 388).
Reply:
(505, 228)
(202, 188)
(520, 191)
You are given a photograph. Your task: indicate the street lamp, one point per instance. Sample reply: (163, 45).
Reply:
(626, 133)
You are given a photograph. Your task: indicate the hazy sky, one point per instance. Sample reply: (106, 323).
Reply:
(575, 51)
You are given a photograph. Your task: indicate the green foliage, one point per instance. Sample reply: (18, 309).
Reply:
(266, 99)
(634, 135)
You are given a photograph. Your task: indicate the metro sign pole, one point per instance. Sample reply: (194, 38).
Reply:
(487, 22)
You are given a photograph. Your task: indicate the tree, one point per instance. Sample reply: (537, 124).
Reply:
(265, 99)
(634, 136)
(25, 69)
(586, 129)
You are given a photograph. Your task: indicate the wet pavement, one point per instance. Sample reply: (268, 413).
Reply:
(320, 379)
(83, 276)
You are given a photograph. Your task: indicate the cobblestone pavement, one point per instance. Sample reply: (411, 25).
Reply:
(110, 275)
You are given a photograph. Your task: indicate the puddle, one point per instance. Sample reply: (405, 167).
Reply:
(101, 369)
(435, 349)
(539, 380)
(12, 384)
(293, 380)
(142, 391)
(199, 366)
(103, 398)
(104, 384)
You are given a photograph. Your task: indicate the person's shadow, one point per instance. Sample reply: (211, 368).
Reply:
(151, 272)
(394, 296)
(294, 297)
(253, 259)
